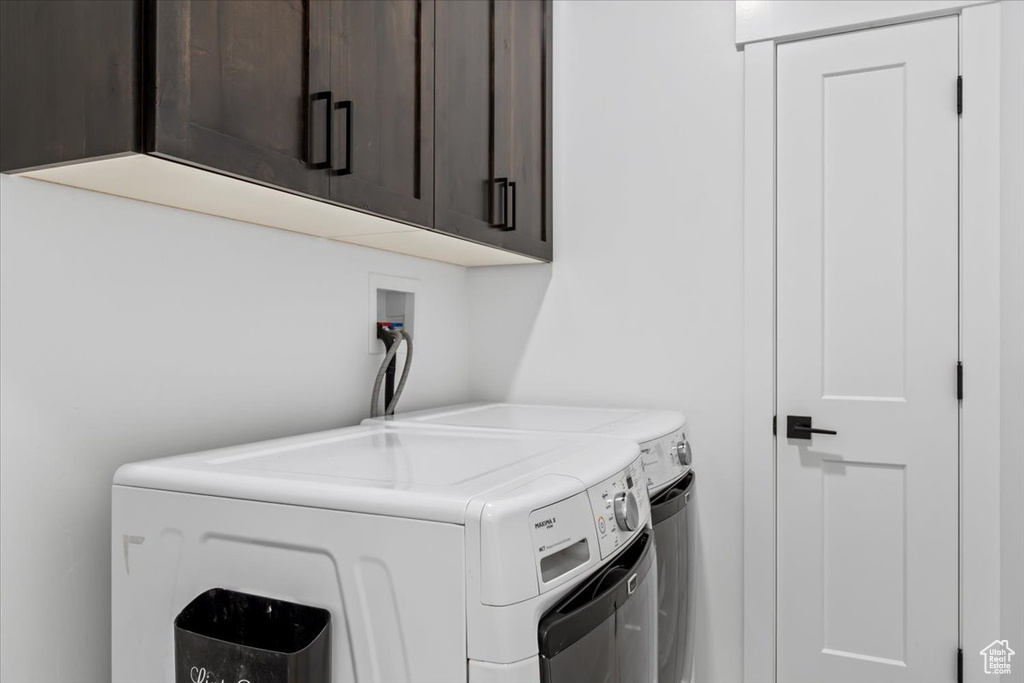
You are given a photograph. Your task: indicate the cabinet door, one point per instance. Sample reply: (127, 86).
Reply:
(382, 81)
(240, 88)
(69, 81)
(466, 78)
(525, 142)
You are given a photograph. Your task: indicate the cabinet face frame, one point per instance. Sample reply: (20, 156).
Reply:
(172, 131)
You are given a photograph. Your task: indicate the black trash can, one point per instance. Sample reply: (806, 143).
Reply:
(237, 637)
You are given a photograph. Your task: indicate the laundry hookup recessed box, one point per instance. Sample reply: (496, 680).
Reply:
(391, 299)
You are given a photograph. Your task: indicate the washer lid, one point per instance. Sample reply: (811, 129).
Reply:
(635, 425)
(429, 474)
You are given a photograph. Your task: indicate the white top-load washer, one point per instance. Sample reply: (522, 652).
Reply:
(662, 436)
(440, 555)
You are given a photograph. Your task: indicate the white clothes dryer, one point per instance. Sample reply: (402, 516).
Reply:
(435, 555)
(667, 458)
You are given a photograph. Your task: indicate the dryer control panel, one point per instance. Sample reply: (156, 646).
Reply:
(621, 507)
(665, 459)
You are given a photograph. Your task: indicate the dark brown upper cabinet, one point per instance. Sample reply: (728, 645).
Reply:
(465, 83)
(433, 113)
(340, 106)
(69, 81)
(493, 109)
(526, 105)
(382, 81)
(240, 87)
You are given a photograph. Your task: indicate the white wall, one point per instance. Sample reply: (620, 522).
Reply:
(1012, 342)
(643, 306)
(132, 331)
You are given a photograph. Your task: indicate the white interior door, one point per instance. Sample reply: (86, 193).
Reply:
(867, 345)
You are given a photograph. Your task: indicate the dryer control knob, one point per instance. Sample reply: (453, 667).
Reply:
(627, 511)
(684, 453)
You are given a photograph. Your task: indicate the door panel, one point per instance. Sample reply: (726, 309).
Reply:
(466, 79)
(226, 102)
(69, 80)
(864, 345)
(867, 317)
(382, 63)
(606, 629)
(493, 123)
(864, 611)
(527, 138)
(673, 524)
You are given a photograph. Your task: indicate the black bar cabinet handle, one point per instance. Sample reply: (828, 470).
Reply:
(324, 95)
(503, 224)
(511, 225)
(347, 106)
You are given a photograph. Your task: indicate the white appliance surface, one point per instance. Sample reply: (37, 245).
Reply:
(425, 474)
(436, 551)
(635, 425)
(661, 434)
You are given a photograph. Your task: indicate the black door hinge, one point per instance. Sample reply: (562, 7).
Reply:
(959, 95)
(775, 420)
(960, 665)
(959, 380)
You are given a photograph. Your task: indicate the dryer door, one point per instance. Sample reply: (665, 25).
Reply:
(674, 535)
(607, 629)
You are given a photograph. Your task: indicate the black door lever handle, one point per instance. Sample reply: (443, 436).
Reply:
(799, 427)
(811, 430)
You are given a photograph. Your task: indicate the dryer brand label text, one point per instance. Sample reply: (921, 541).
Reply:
(545, 523)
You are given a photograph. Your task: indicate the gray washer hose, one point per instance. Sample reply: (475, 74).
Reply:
(388, 357)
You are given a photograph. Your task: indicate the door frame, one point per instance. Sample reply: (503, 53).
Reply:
(979, 325)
